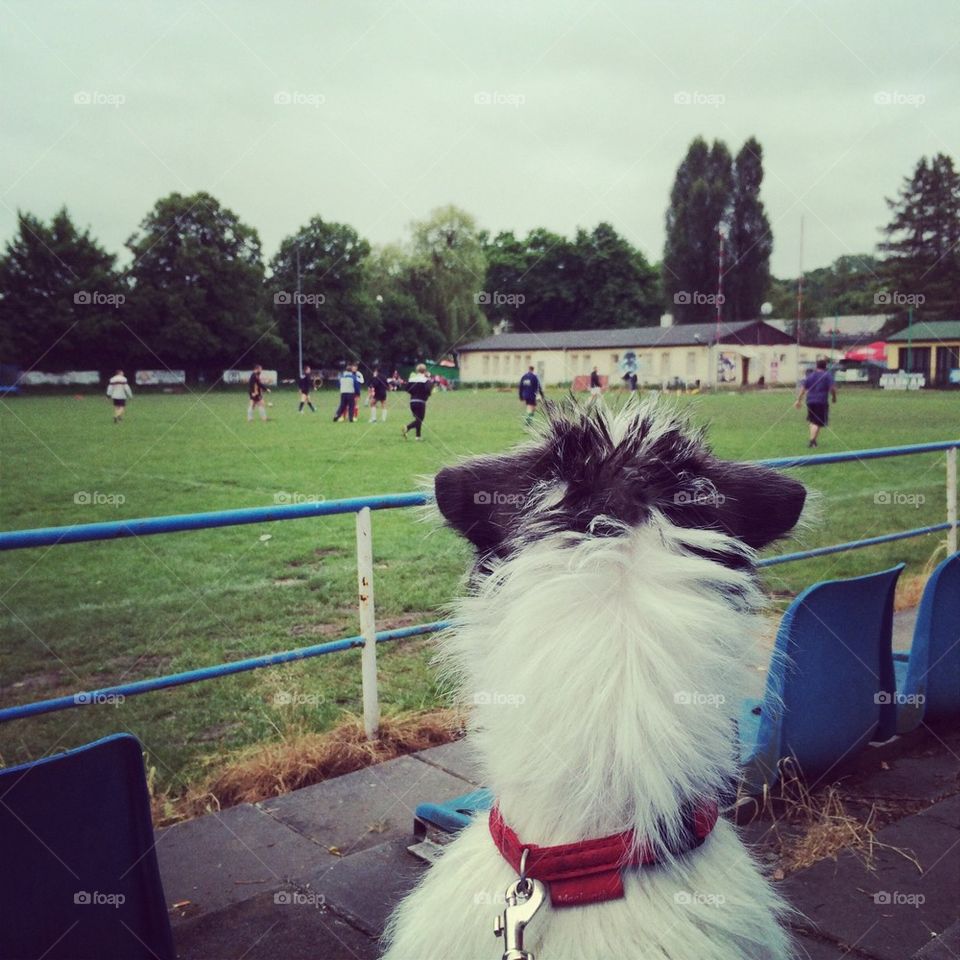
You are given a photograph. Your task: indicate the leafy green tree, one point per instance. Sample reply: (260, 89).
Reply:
(60, 298)
(340, 317)
(922, 243)
(407, 333)
(616, 286)
(196, 288)
(448, 273)
(699, 205)
(747, 279)
(848, 286)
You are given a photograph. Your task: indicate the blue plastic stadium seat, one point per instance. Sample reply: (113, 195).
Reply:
(831, 680)
(928, 677)
(80, 879)
(453, 815)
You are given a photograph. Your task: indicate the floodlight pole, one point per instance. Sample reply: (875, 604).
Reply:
(299, 317)
(799, 299)
(719, 302)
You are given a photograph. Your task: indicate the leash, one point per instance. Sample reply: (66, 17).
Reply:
(576, 874)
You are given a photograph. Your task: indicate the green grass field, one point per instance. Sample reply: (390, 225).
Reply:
(87, 615)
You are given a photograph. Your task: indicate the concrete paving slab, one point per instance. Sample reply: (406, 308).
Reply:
(946, 946)
(926, 779)
(456, 758)
(903, 625)
(893, 912)
(228, 857)
(807, 948)
(365, 887)
(262, 929)
(364, 808)
(946, 811)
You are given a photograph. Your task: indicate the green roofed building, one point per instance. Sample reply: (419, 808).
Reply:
(931, 348)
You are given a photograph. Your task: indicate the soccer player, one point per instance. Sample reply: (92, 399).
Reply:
(595, 387)
(256, 391)
(530, 389)
(348, 394)
(817, 386)
(357, 385)
(419, 386)
(118, 390)
(305, 383)
(378, 395)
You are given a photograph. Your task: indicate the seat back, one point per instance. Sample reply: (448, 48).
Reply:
(934, 670)
(830, 685)
(80, 877)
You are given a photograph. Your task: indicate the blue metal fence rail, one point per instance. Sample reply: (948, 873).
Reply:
(361, 506)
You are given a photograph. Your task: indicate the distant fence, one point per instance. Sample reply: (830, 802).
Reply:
(368, 638)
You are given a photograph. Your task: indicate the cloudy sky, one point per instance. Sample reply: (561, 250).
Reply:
(542, 113)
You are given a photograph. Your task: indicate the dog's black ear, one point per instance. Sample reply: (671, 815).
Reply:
(481, 498)
(755, 504)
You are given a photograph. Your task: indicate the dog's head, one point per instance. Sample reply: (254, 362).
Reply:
(599, 472)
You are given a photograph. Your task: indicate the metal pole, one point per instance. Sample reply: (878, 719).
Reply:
(799, 299)
(719, 299)
(368, 628)
(952, 500)
(299, 317)
(910, 340)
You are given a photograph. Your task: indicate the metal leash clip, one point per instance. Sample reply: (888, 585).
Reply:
(524, 898)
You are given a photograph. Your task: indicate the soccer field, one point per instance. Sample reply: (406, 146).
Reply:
(88, 615)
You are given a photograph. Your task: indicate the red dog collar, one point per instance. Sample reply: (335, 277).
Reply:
(589, 871)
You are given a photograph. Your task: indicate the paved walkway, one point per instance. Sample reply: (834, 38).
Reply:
(315, 873)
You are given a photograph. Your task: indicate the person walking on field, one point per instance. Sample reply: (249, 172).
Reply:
(595, 387)
(305, 384)
(357, 384)
(817, 386)
(530, 389)
(419, 386)
(378, 395)
(118, 390)
(256, 391)
(348, 394)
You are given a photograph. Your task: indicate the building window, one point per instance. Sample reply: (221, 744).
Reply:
(691, 363)
(665, 363)
(496, 365)
(528, 360)
(486, 364)
(516, 361)
(586, 361)
(614, 360)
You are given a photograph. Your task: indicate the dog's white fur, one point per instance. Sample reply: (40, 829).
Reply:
(605, 674)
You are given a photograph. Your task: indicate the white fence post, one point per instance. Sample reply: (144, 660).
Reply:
(368, 626)
(952, 500)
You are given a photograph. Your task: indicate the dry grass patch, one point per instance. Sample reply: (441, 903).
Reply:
(301, 759)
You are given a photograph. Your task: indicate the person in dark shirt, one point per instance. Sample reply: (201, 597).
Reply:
(357, 385)
(305, 383)
(530, 389)
(817, 386)
(419, 386)
(347, 382)
(595, 385)
(378, 395)
(256, 391)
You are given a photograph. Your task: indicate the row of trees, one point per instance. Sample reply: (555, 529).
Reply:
(197, 293)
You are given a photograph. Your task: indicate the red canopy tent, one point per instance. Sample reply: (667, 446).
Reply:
(876, 351)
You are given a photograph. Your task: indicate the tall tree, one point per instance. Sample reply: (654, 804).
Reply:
(60, 297)
(923, 241)
(197, 287)
(616, 285)
(747, 279)
(449, 269)
(339, 314)
(699, 206)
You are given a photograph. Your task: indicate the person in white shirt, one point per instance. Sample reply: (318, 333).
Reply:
(118, 390)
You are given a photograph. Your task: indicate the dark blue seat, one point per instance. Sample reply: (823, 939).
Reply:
(928, 677)
(453, 815)
(830, 684)
(80, 879)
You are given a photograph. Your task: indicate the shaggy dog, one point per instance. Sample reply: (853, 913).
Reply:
(605, 643)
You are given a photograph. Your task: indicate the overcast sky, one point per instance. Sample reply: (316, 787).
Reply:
(545, 113)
